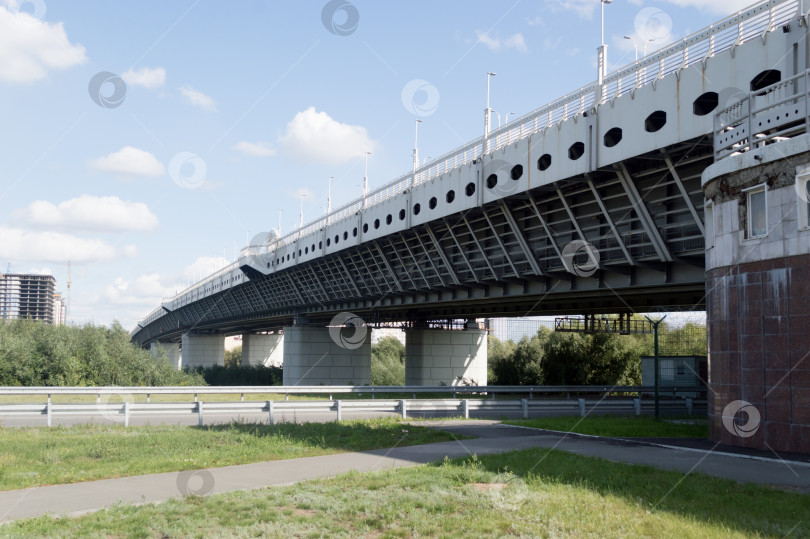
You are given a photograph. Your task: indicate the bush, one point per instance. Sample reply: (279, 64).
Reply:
(388, 362)
(240, 375)
(33, 353)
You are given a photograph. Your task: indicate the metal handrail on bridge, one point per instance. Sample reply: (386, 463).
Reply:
(763, 116)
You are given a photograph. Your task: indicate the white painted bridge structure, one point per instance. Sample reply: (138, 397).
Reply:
(590, 204)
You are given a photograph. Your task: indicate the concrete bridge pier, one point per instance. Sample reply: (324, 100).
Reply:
(758, 296)
(446, 356)
(327, 355)
(201, 350)
(263, 349)
(171, 349)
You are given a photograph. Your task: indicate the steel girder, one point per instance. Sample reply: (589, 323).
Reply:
(643, 217)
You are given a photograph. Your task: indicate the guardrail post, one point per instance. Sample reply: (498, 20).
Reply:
(330, 396)
(637, 406)
(287, 397)
(241, 397)
(689, 406)
(404, 408)
(372, 393)
(200, 414)
(195, 397)
(339, 410)
(270, 412)
(524, 406)
(48, 410)
(148, 397)
(98, 397)
(126, 413)
(581, 403)
(531, 394)
(465, 404)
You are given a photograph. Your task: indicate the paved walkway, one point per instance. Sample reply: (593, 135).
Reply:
(491, 437)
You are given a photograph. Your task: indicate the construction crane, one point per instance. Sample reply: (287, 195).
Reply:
(67, 300)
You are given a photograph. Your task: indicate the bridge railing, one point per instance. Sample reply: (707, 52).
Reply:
(763, 116)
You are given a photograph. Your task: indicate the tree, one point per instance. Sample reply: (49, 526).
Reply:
(33, 353)
(233, 358)
(518, 364)
(388, 362)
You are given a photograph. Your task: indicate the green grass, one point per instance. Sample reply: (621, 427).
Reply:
(529, 493)
(618, 426)
(42, 456)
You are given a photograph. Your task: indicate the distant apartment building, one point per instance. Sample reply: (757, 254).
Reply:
(59, 309)
(25, 296)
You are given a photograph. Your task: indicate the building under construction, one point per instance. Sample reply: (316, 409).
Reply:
(27, 296)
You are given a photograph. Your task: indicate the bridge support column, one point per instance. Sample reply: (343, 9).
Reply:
(171, 349)
(263, 349)
(444, 356)
(757, 290)
(203, 350)
(315, 356)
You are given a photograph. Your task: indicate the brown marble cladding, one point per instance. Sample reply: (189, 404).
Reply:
(759, 345)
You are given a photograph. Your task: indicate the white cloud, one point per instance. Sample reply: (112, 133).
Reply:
(314, 136)
(198, 99)
(47, 246)
(29, 47)
(91, 213)
(203, 266)
(726, 7)
(581, 8)
(535, 21)
(255, 149)
(40, 271)
(147, 290)
(151, 78)
(129, 161)
(496, 44)
(309, 196)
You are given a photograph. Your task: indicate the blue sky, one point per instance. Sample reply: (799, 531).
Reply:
(228, 111)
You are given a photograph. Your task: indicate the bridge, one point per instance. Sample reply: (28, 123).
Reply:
(617, 197)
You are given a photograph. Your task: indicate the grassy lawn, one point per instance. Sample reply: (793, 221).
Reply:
(618, 426)
(528, 493)
(42, 456)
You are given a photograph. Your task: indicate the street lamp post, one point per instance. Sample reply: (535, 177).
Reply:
(416, 148)
(301, 214)
(365, 179)
(487, 114)
(602, 55)
(635, 45)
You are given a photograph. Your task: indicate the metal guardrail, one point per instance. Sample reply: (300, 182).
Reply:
(763, 116)
(373, 391)
(124, 411)
(727, 34)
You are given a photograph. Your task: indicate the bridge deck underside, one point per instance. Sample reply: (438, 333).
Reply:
(643, 217)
